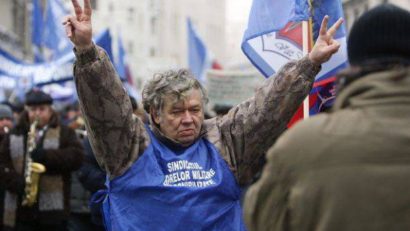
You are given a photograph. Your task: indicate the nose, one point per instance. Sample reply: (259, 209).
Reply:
(187, 117)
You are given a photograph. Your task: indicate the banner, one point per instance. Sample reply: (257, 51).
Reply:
(17, 74)
(230, 88)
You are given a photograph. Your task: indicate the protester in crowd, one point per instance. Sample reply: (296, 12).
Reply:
(6, 120)
(222, 109)
(17, 107)
(80, 215)
(72, 116)
(138, 111)
(55, 147)
(181, 172)
(86, 181)
(348, 169)
(92, 178)
(6, 123)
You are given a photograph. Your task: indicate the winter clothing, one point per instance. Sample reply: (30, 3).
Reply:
(92, 179)
(91, 176)
(345, 170)
(120, 140)
(381, 34)
(2, 192)
(84, 182)
(5, 112)
(38, 97)
(60, 152)
(198, 176)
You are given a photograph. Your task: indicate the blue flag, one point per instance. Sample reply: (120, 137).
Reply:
(274, 34)
(274, 37)
(120, 61)
(37, 23)
(17, 74)
(54, 37)
(104, 40)
(123, 70)
(334, 9)
(199, 60)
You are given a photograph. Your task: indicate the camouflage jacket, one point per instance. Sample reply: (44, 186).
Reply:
(242, 136)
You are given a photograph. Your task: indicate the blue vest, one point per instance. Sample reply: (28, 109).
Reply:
(181, 189)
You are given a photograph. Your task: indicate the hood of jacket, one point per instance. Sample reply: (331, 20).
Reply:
(376, 88)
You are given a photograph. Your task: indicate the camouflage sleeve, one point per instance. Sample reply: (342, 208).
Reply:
(249, 129)
(116, 136)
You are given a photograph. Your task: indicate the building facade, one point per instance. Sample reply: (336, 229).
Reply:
(14, 27)
(154, 32)
(354, 8)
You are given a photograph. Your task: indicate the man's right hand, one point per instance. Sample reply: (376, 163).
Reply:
(78, 28)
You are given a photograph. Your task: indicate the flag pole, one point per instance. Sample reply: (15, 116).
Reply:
(305, 36)
(307, 39)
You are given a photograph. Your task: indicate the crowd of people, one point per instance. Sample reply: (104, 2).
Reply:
(106, 163)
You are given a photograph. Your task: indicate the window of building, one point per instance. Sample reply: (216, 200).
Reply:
(130, 49)
(153, 25)
(94, 4)
(152, 4)
(131, 13)
(152, 52)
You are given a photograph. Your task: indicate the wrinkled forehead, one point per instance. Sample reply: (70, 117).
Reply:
(191, 97)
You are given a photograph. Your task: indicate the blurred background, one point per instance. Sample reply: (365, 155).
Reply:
(146, 36)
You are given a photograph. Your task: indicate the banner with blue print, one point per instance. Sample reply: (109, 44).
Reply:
(274, 33)
(17, 74)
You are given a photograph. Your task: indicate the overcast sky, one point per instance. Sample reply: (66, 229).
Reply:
(238, 10)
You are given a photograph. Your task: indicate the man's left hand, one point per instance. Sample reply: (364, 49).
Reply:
(325, 45)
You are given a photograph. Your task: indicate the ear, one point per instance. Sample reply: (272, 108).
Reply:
(155, 116)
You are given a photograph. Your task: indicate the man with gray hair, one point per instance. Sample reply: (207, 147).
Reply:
(181, 172)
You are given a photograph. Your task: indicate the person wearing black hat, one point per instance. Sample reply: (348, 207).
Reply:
(348, 169)
(6, 123)
(57, 148)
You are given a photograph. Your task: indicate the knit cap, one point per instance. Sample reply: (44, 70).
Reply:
(380, 35)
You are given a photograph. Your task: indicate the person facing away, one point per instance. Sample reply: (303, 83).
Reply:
(181, 172)
(347, 169)
(57, 148)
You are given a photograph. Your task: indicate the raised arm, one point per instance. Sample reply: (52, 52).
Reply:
(116, 137)
(250, 128)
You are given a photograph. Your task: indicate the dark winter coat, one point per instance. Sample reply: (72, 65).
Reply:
(347, 170)
(60, 152)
